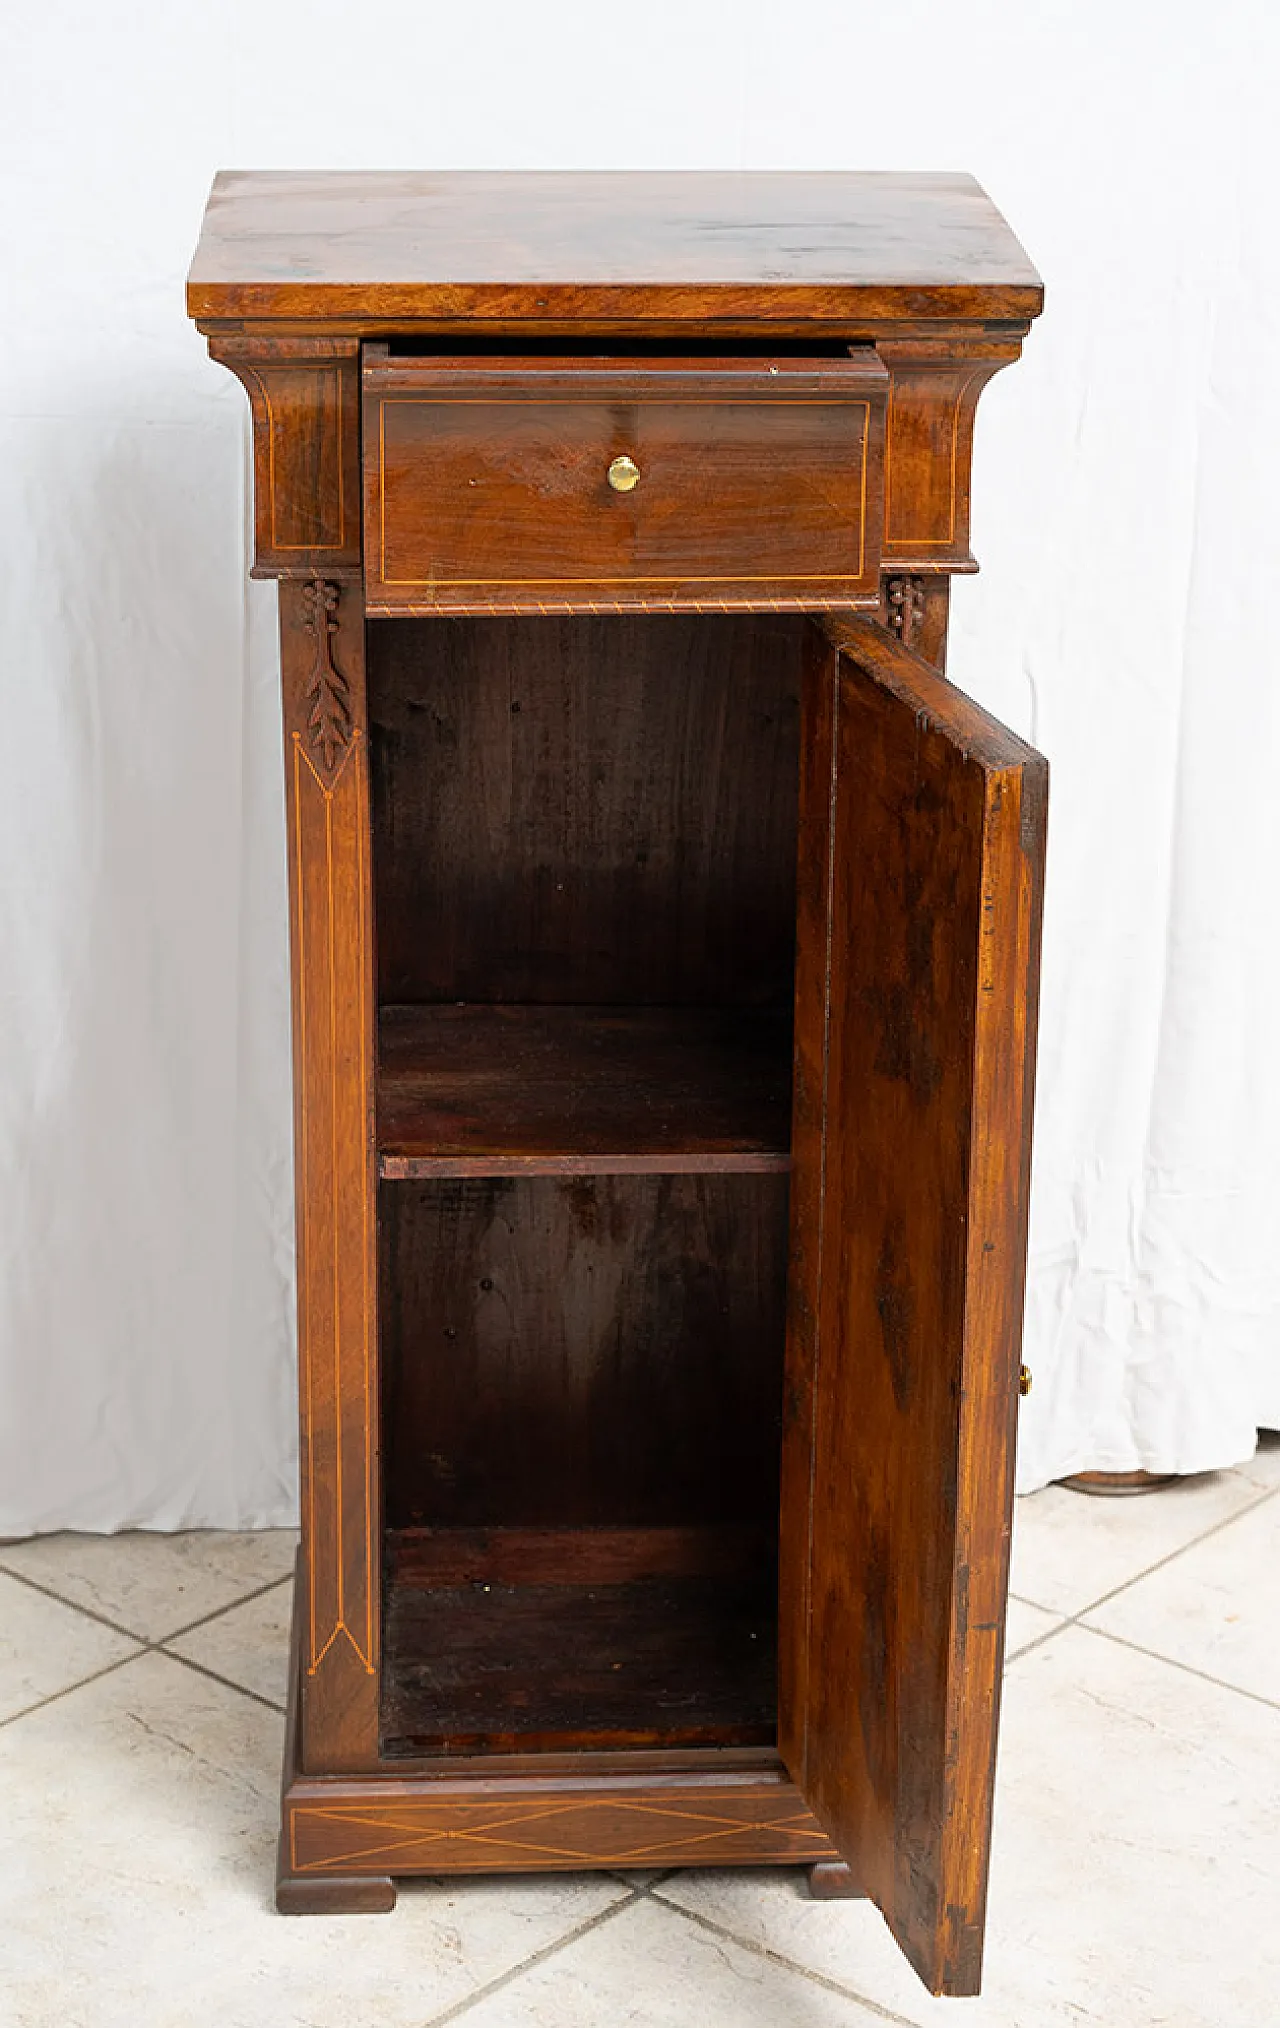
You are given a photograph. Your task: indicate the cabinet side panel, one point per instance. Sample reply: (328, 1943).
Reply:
(322, 653)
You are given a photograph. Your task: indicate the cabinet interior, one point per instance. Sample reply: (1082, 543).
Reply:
(584, 839)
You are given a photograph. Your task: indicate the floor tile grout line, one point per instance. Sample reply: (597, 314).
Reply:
(227, 1682)
(1188, 1668)
(536, 1958)
(1061, 1620)
(1105, 1598)
(141, 1648)
(118, 1626)
(1079, 1619)
(780, 1959)
(219, 1612)
(72, 1605)
(630, 1896)
(1029, 1647)
(121, 1662)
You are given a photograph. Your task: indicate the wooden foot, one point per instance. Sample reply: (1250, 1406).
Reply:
(346, 1894)
(831, 1880)
(331, 1893)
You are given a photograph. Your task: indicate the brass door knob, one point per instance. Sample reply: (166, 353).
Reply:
(1024, 1381)
(624, 473)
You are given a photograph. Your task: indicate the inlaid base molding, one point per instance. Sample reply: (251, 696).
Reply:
(333, 1893)
(553, 1824)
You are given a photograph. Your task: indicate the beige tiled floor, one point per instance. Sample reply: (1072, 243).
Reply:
(1136, 1880)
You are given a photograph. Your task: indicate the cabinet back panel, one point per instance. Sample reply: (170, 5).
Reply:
(585, 1350)
(585, 809)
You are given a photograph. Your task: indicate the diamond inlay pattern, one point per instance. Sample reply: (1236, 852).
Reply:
(531, 1832)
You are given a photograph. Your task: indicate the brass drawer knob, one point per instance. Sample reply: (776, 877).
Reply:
(1024, 1381)
(624, 473)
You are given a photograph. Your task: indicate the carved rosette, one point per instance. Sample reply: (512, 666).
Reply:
(904, 607)
(328, 694)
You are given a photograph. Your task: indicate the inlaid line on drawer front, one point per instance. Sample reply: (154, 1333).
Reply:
(659, 399)
(755, 482)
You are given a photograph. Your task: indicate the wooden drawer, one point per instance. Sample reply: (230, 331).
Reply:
(510, 485)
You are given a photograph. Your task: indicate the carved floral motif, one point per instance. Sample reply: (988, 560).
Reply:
(328, 694)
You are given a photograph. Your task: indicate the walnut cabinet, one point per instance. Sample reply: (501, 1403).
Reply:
(665, 943)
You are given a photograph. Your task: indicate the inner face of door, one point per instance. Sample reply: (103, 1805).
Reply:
(584, 874)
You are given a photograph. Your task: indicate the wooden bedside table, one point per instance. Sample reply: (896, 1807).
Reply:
(665, 942)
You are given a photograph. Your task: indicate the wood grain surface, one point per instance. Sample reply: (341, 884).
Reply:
(304, 401)
(583, 1351)
(327, 785)
(549, 1825)
(511, 1091)
(292, 270)
(563, 1640)
(486, 482)
(343, 1836)
(561, 1413)
(398, 247)
(586, 811)
(921, 881)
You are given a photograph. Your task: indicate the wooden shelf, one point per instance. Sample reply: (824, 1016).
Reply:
(545, 1640)
(529, 1090)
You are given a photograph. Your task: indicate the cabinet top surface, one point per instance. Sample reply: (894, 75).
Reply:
(360, 249)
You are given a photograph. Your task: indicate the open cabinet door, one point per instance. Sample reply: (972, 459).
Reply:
(920, 875)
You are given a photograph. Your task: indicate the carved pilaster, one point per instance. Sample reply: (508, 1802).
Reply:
(322, 661)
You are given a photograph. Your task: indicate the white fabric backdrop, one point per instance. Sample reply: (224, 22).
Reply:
(1125, 515)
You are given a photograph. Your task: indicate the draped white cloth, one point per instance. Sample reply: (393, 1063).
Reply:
(1125, 515)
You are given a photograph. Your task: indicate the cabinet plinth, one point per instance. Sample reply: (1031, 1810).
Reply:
(665, 950)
